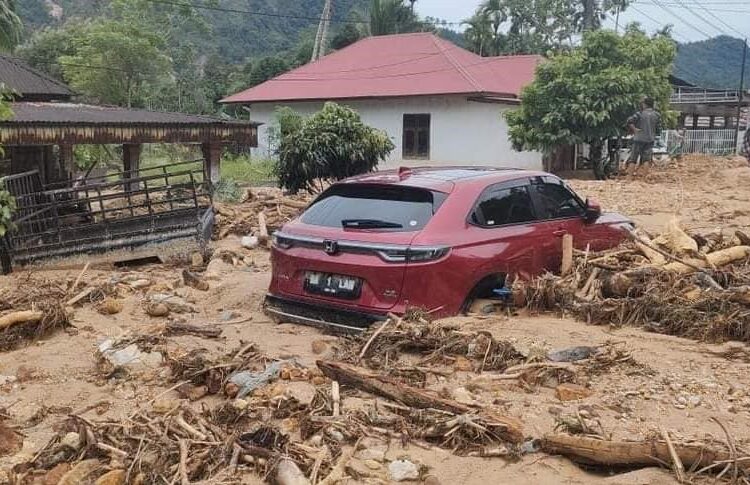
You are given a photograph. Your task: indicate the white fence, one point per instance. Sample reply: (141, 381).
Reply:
(712, 142)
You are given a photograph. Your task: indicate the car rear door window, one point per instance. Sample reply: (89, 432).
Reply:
(501, 206)
(554, 200)
(374, 207)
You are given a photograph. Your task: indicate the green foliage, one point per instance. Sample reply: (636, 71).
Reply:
(330, 145)
(532, 26)
(392, 17)
(587, 94)
(346, 35)
(7, 208)
(48, 45)
(227, 190)
(126, 59)
(242, 168)
(10, 25)
(712, 63)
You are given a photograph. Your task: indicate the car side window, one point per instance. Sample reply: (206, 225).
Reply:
(555, 201)
(501, 206)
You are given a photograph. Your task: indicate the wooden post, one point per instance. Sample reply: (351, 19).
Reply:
(131, 161)
(67, 163)
(212, 161)
(567, 254)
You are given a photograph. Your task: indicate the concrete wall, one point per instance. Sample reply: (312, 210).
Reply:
(462, 132)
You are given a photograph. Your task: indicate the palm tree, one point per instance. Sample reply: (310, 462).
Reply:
(478, 34)
(392, 17)
(10, 25)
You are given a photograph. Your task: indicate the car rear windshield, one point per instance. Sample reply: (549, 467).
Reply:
(374, 207)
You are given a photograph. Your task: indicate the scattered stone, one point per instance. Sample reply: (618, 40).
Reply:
(402, 470)
(372, 464)
(25, 373)
(112, 477)
(7, 380)
(196, 260)
(319, 346)
(53, 476)
(694, 401)
(83, 472)
(431, 480)
(139, 284)
(463, 395)
(157, 310)
(175, 303)
(249, 242)
(192, 392)
(572, 354)
(303, 392)
(11, 441)
(288, 473)
(229, 315)
(194, 281)
(571, 392)
(336, 435)
(164, 406)
(72, 440)
(374, 452)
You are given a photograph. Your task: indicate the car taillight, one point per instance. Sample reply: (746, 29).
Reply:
(415, 254)
(420, 254)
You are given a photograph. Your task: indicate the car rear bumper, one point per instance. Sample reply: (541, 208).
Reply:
(319, 315)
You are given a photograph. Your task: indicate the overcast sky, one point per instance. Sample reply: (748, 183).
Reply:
(731, 17)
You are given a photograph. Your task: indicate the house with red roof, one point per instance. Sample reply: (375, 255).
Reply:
(440, 104)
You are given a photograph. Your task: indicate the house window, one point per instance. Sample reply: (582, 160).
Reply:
(416, 136)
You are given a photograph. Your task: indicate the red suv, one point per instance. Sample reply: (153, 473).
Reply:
(431, 238)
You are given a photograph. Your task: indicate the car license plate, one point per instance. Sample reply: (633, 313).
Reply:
(338, 286)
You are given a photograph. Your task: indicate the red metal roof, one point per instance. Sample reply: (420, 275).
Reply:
(396, 65)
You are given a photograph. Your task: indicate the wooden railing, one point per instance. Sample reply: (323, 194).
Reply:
(685, 95)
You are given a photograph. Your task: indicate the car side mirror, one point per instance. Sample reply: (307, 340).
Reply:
(593, 211)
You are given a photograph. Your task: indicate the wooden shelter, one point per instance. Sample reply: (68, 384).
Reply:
(46, 125)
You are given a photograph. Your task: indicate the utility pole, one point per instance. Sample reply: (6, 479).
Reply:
(739, 97)
(617, 19)
(321, 38)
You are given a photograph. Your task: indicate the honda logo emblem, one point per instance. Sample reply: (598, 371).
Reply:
(330, 247)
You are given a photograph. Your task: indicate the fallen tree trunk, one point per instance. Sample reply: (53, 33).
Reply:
(25, 316)
(715, 259)
(410, 396)
(592, 451)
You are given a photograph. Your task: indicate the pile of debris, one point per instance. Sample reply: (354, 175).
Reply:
(695, 286)
(258, 215)
(32, 309)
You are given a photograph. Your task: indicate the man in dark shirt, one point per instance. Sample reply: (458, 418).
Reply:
(644, 125)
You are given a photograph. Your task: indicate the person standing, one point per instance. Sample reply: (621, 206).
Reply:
(644, 125)
(746, 144)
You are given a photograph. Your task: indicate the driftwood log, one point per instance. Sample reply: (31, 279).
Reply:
(594, 451)
(25, 316)
(410, 396)
(174, 328)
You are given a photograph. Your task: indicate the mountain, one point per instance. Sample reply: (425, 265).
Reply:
(235, 36)
(712, 63)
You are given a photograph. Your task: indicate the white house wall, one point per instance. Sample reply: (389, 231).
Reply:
(461, 132)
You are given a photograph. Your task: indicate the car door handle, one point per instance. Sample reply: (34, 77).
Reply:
(560, 232)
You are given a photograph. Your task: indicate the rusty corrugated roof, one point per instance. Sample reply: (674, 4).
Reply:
(394, 66)
(27, 82)
(75, 113)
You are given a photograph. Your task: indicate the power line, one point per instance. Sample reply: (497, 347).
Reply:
(717, 18)
(271, 14)
(706, 21)
(680, 18)
(657, 22)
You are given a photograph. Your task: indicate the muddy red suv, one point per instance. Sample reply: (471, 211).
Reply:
(432, 238)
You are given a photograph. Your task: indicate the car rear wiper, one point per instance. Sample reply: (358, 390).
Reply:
(370, 224)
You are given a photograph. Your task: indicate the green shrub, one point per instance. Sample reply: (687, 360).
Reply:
(330, 145)
(7, 208)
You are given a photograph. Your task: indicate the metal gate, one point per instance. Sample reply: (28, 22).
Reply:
(711, 142)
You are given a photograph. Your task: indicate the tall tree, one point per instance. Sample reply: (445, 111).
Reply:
(10, 25)
(115, 61)
(587, 94)
(392, 17)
